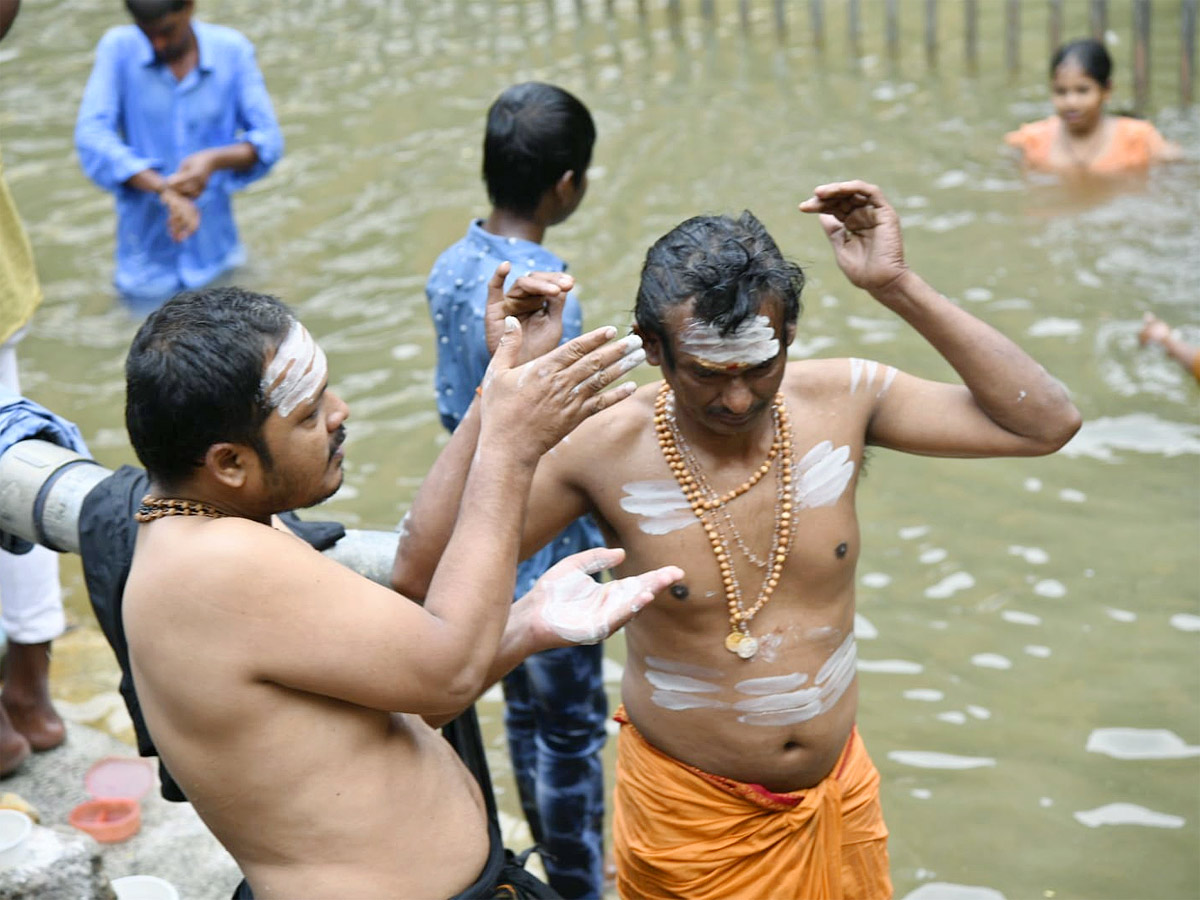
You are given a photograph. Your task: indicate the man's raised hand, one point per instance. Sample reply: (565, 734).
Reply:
(864, 231)
(533, 405)
(535, 300)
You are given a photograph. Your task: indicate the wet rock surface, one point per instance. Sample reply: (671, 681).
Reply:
(173, 843)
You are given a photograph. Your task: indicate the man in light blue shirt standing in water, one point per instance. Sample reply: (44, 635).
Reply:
(537, 148)
(175, 118)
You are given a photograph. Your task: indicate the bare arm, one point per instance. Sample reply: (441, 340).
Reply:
(431, 518)
(1008, 405)
(567, 607)
(1156, 331)
(378, 650)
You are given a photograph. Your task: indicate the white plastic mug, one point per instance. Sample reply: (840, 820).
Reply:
(15, 827)
(144, 887)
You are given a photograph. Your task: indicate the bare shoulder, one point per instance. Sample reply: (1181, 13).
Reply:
(221, 561)
(818, 379)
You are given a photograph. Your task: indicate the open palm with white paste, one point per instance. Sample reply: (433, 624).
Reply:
(568, 606)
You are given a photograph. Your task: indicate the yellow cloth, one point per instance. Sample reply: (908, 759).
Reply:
(679, 832)
(1135, 145)
(20, 292)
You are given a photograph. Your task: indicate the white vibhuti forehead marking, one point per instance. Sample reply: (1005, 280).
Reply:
(750, 344)
(791, 707)
(301, 362)
(659, 505)
(822, 474)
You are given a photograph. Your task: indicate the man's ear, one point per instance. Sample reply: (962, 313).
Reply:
(652, 346)
(789, 334)
(229, 463)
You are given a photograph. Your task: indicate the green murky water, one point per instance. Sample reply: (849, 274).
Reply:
(1018, 607)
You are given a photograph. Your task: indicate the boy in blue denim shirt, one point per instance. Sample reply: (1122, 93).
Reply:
(536, 152)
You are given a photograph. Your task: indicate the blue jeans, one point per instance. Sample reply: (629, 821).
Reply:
(555, 712)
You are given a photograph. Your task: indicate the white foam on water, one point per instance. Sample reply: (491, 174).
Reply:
(1128, 814)
(950, 585)
(925, 695)
(1140, 743)
(1020, 618)
(931, 759)
(876, 579)
(1050, 587)
(947, 890)
(991, 661)
(890, 666)
(1185, 622)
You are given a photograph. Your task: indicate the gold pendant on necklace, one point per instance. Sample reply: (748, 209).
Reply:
(742, 644)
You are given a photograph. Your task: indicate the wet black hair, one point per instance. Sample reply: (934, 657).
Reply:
(535, 133)
(1091, 55)
(728, 266)
(193, 378)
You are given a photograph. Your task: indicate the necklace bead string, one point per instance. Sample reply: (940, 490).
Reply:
(706, 504)
(153, 508)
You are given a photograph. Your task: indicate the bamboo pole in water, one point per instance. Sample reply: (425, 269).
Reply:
(816, 11)
(893, 28)
(854, 27)
(1098, 18)
(1012, 35)
(971, 36)
(931, 33)
(1054, 26)
(45, 486)
(1187, 50)
(1141, 54)
(780, 19)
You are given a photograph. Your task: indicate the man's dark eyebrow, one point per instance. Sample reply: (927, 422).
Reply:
(316, 401)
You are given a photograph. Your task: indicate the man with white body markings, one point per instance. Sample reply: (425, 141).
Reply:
(740, 772)
(293, 700)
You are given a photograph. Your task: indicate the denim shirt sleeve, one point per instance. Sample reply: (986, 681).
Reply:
(256, 118)
(104, 156)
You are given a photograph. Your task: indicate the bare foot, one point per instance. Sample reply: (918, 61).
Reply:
(13, 746)
(26, 695)
(38, 722)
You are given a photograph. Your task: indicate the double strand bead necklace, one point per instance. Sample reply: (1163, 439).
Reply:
(706, 504)
(153, 508)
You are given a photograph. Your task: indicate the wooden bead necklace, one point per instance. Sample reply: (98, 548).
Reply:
(153, 508)
(706, 504)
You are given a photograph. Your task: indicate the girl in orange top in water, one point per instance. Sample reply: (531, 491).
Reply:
(1082, 136)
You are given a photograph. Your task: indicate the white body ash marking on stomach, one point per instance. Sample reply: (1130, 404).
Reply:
(770, 700)
(796, 706)
(750, 344)
(680, 683)
(659, 505)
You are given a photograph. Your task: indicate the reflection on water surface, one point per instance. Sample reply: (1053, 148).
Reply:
(1029, 680)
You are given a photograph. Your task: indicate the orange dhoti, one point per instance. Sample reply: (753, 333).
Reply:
(679, 832)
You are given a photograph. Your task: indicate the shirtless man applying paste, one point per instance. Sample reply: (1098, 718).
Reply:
(740, 773)
(293, 700)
